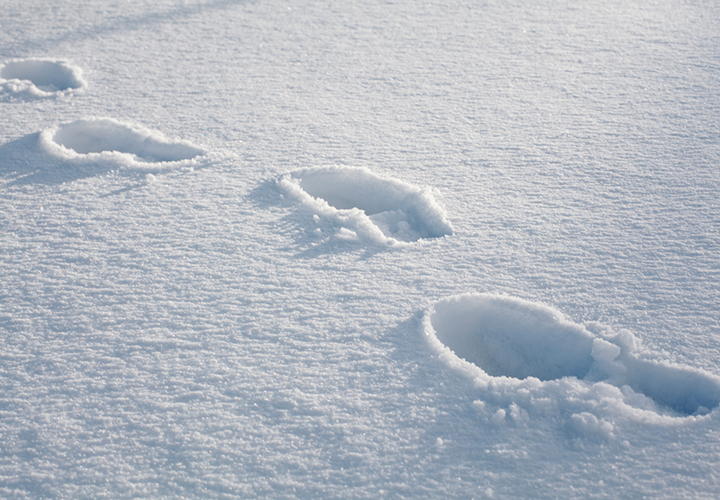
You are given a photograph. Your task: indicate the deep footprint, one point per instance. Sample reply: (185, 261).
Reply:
(107, 138)
(41, 77)
(396, 209)
(509, 337)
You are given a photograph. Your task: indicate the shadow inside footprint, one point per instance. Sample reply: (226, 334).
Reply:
(45, 76)
(682, 389)
(511, 337)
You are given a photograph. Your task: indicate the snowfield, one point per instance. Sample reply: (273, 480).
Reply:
(288, 249)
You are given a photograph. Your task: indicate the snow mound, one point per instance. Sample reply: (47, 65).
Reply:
(40, 77)
(489, 336)
(382, 209)
(105, 139)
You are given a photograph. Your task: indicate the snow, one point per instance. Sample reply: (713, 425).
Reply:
(40, 78)
(104, 140)
(492, 337)
(290, 249)
(384, 210)
(512, 338)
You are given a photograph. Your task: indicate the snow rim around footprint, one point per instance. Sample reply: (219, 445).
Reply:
(120, 144)
(359, 205)
(605, 377)
(41, 78)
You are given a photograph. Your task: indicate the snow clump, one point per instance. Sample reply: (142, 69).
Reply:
(105, 139)
(40, 78)
(381, 209)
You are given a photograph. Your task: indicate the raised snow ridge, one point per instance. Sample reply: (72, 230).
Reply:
(41, 77)
(509, 337)
(105, 138)
(385, 209)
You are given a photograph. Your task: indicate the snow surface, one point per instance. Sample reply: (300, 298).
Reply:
(289, 249)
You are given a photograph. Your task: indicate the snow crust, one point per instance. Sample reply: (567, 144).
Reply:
(491, 336)
(379, 209)
(40, 78)
(107, 140)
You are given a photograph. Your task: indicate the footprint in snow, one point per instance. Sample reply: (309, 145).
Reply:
(382, 209)
(108, 140)
(491, 336)
(40, 78)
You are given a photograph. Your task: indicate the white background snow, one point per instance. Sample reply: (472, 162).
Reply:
(176, 323)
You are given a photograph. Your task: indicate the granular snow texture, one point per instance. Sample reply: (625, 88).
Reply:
(291, 249)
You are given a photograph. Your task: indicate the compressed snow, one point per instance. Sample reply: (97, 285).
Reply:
(41, 78)
(382, 209)
(105, 139)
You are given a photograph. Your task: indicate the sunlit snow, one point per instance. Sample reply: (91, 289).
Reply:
(290, 249)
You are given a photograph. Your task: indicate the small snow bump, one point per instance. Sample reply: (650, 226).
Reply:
(347, 234)
(499, 417)
(587, 424)
(604, 351)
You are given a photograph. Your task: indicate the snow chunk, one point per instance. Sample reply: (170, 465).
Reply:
(587, 424)
(499, 417)
(105, 139)
(496, 340)
(40, 77)
(604, 351)
(382, 209)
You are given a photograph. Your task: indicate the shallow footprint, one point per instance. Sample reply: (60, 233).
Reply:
(105, 139)
(504, 336)
(384, 209)
(40, 77)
